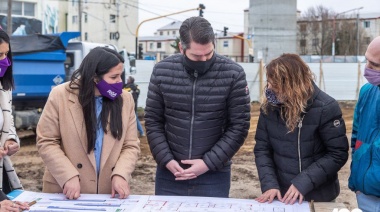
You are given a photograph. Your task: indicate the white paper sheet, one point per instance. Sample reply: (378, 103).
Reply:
(141, 203)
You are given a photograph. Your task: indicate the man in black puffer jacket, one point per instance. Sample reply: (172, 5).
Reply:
(197, 115)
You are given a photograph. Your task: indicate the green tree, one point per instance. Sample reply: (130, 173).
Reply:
(175, 45)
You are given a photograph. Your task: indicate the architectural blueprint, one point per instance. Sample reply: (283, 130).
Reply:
(144, 203)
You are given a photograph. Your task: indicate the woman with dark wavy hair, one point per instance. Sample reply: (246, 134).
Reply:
(87, 134)
(301, 141)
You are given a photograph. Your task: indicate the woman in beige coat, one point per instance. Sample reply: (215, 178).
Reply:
(87, 134)
(9, 141)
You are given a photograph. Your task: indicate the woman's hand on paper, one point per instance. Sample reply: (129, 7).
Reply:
(292, 195)
(269, 195)
(72, 188)
(120, 186)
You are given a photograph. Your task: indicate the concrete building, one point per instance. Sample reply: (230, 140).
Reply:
(274, 26)
(101, 21)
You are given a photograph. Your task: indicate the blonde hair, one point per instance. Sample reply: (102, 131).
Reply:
(293, 82)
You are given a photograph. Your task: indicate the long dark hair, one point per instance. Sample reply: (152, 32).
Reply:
(7, 80)
(97, 63)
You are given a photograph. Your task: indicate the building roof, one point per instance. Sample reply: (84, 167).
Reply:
(157, 38)
(369, 15)
(175, 25)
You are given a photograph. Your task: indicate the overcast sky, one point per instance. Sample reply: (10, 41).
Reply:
(229, 13)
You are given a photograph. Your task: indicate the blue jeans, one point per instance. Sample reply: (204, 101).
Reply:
(139, 127)
(209, 184)
(368, 203)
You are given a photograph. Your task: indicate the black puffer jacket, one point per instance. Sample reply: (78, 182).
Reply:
(192, 115)
(310, 156)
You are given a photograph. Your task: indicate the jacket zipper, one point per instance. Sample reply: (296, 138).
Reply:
(192, 114)
(299, 143)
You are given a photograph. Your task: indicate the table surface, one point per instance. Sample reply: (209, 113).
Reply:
(327, 206)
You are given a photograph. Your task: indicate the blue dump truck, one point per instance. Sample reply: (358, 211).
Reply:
(41, 62)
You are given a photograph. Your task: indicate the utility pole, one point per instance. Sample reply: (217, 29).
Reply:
(9, 18)
(357, 36)
(80, 19)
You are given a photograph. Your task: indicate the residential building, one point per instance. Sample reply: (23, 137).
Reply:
(233, 45)
(161, 42)
(101, 21)
(27, 16)
(310, 37)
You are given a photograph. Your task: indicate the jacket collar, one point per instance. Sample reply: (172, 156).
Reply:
(78, 119)
(313, 97)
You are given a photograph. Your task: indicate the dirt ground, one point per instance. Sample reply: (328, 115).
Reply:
(245, 183)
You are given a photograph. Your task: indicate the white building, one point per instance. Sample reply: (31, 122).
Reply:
(233, 45)
(101, 21)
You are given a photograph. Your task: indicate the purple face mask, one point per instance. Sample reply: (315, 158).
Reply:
(111, 91)
(4, 64)
(372, 76)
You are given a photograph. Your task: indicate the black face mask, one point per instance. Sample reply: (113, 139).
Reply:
(200, 66)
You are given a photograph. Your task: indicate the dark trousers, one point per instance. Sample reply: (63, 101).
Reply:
(209, 184)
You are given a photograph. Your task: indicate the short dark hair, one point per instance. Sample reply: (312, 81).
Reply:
(196, 29)
(7, 80)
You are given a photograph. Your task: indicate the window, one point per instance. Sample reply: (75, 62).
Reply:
(112, 18)
(18, 8)
(85, 36)
(303, 27)
(174, 32)
(85, 18)
(112, 1)
(161, 33)
(303, 43)
(367, 24)
(315, 42)
(75, 19)
(150, 45)
(167, 32)
(28, 9)
(225, 43)
(3, 7)
(159, 45)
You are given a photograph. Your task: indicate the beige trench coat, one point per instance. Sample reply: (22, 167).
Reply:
(62, 144)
